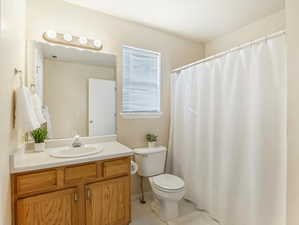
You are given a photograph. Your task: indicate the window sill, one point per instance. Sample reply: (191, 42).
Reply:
(142, 115)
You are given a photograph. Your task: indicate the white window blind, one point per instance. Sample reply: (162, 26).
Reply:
(141, 80)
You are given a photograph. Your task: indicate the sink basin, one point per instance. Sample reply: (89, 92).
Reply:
(70, 152)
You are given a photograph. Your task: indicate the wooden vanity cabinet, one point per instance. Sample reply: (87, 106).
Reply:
(94, 193)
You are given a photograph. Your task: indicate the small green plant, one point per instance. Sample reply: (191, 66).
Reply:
(151, 137)
(39, 135)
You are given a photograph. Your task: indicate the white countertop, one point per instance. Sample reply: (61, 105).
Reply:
(21, 162)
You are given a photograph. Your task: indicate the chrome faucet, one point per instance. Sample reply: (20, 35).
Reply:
(76, 142)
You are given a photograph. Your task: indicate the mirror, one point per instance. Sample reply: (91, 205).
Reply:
(77, 89)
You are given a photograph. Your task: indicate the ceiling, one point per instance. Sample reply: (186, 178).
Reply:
(199, 20)
(75, 55)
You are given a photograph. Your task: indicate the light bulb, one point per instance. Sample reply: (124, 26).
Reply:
(67, 37)
(83, 40)
(51, 34)
(97, 43)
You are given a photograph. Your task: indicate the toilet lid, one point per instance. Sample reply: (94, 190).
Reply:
(168, 181)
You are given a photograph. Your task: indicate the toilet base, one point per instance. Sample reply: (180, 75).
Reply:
(165, 209)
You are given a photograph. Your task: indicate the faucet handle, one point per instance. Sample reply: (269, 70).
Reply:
(76, 141)
(77, 137)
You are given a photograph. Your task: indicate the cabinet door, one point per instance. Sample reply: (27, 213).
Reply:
(56, 208)
(108, 202)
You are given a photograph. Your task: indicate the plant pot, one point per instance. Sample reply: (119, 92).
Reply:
(39, 147)
(151, 144)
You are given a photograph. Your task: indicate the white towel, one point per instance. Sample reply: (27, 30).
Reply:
(25, 115)
(48, 119)
(37, 105)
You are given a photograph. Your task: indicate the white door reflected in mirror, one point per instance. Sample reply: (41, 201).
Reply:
(102, 107)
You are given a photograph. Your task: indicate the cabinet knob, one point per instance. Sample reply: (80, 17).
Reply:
(76, 197)
(88, 193)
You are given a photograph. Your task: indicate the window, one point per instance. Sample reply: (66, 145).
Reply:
(141, 81)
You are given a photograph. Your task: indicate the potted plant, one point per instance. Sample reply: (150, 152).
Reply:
(151, 140)
(39, 135)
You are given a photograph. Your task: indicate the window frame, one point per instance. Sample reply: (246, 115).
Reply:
(142, 114)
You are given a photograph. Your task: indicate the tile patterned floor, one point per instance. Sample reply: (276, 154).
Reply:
(195, 218)
(142, 214)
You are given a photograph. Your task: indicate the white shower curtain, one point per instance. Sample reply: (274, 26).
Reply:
(228, 134)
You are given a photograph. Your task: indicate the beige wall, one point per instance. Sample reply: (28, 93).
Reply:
(257, 29)
(12, 54)
(43, 15)
(66, 94)
(292, 15)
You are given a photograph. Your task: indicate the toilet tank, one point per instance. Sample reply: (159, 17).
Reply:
(151, 161)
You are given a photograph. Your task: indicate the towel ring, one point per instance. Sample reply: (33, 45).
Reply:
(17, 71)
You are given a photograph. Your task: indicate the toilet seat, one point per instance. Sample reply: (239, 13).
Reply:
(168, 183)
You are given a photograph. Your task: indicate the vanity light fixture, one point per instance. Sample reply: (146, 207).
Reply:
(69, 40)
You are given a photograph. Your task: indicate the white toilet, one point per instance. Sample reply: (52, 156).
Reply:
(168, 189)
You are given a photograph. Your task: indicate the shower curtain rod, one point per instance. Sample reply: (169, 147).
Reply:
(229, 51)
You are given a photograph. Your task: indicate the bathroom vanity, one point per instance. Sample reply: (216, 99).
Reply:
(91, 190)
